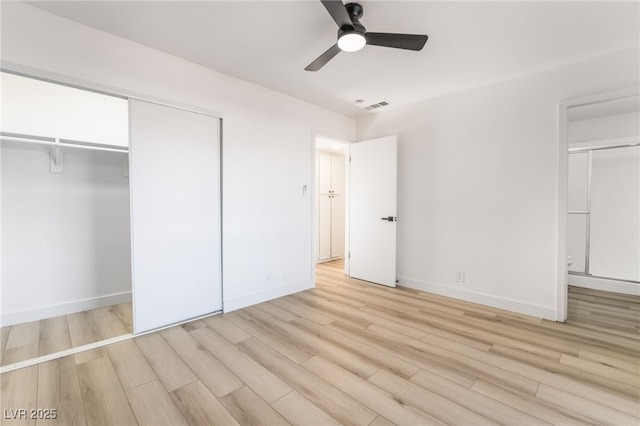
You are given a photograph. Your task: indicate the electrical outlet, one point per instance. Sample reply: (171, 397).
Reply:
(460, 277)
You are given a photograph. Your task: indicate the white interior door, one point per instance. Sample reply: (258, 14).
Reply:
(372, 218)
(175, 214)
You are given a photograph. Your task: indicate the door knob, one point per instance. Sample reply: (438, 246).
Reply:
(390, 218)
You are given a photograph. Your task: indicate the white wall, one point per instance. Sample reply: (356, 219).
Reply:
(267, 141)
(478, 183)
(65, 237)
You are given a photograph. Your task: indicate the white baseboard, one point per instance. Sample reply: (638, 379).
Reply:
(604, 284)
(50, 311)
(263, 296)
(483, 299)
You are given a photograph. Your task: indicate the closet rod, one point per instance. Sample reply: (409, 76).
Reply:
(58, 144)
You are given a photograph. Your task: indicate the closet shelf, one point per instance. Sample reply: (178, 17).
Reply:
(65, 145)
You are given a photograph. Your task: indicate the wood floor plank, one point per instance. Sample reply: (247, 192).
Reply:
(315, 315)
(194, 325)
(213, 374)
(107, 322)
(23, 334)
(467, 360)
(153, 406)
(130, 365)
(381, 359)
(254, 326)
(229, 330)
(441, 408)
(298, 410)
(341, 406)
(275, 310)
(566, 370)
(529, 404)
(249, 409)
(381, 421)
(59, 389)
(54, 335)
(484, 406)
(315, 345)
(609, 372)
(103, 398)
(165, 362)
(342, 310)
(373, 316)
(124, 311)
(83, 329)
(19, 390)
(21, 353)
(598, 412)
(199, 407)
(611, 361)
(90, 355)
(379, 342)
(4, 336)
(393, 408)
(268, 386)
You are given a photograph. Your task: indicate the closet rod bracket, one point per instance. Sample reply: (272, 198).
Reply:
(56, 160)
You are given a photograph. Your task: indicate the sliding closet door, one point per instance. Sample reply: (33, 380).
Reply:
(175, 214)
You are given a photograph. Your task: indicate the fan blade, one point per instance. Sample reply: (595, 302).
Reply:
(399, 41)
(323, 59)
(338, 12)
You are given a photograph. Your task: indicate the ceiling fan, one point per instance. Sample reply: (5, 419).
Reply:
(352, 35)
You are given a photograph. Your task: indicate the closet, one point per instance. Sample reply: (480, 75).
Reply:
(330, 179)
(108, 204)
(65, 200)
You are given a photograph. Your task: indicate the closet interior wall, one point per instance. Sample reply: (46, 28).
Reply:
(65, 200)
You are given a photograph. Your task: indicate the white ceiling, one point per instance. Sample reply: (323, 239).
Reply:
(269, 43)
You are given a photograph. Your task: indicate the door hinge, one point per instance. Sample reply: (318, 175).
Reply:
(349, 256)
(349, 158)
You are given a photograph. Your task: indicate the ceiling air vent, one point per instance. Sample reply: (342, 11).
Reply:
(375, 106)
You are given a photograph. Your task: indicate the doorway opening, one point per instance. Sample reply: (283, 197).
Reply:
(331, 201)
(600, 137)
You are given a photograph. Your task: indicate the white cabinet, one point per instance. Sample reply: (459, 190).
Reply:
(330, 189)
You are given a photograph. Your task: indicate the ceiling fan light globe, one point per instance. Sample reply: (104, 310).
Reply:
(351, 42)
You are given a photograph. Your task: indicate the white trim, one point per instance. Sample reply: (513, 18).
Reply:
(538, 311)
(563, 176)
(562, 267)
(264, 296)
(604, 284)
(35, 314)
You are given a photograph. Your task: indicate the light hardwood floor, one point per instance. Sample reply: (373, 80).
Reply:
(32, 339)
(352, 353)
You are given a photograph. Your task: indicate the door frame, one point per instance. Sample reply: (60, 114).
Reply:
(314, 204)
(562, 268)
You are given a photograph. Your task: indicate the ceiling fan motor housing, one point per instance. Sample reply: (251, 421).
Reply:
(355, 12)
